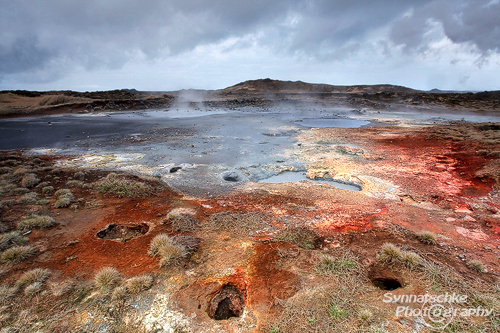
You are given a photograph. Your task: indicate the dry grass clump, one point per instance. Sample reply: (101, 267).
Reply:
(30, 180)
(119, 293)
(36, 221)
(11, 238)
(28, 199)
(7, 292)
(168, 249)
(389, 253)
(6, 187)
(33, 276)
(62, 202)
(302, 236)
(107, 278)
(427, 237)
(64, 198)
(158, 242)
(237, 223)
(137, 284)
(476, 265)
(123, 187)
(62, 288)
(33, 289)
(410, 259)
(21, 171)
(344, 264)
(16, 254)
(19, 190)
(64, 192)
(80, 175)
(48, 189)
(183, 223)
(320, 309)
(3, 227)
(75, 184)
(42, 202)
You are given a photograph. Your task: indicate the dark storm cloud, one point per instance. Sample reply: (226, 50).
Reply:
(92, 34)
(475, 22)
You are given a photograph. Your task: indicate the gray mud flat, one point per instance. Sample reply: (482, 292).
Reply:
(196, 151)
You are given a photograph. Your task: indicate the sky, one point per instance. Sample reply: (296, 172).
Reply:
(163, 45)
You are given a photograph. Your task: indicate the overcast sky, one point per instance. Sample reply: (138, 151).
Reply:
(88, 45)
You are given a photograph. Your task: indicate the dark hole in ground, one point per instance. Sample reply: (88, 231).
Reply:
(226, 304)
(175, 169)
(228, 178)
(387, 283)
(123, 233)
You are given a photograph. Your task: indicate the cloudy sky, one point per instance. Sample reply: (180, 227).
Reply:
(88, 45)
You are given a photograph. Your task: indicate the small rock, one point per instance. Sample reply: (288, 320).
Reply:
(469, 218)
(461, 256)
(487, 247)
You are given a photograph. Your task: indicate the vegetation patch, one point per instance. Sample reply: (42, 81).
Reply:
(122, 186)
(476, 265)
(239, 224)
(301, 236)
(389, 253)
(11, 238)
(36, 221)
(28, 199)
(29, 180)
(138, 284)
(427, 237)
(75, 184)
(168, 249)
(107, 278)
(33, 276)
(17, 254)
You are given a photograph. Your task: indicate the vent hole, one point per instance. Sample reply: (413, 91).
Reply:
(226, 304)
(387, 283)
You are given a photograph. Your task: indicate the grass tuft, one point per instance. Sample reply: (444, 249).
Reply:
(33, 289)
(158, 242)
(119, 293)
(7, 292)
(30, 180)
(171, 253)
(122, 186)
(137, 284)
(75, 184)
(28, 199)
(11, 238)
(48, 189)
(343, 265)
(427, 237)
(476, 265)
(62, 288)
(167, 248)
(16, 254)
(63, 202)
(36, 221)
(107, 278)
(33, 276)
(389, 253)
(410, 259)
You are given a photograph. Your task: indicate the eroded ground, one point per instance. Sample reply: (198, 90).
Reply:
(262, 257)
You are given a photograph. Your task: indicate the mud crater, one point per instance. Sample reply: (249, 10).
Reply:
(227, 303)
(123, 233)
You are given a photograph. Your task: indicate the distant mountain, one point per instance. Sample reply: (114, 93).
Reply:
(294, 87)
